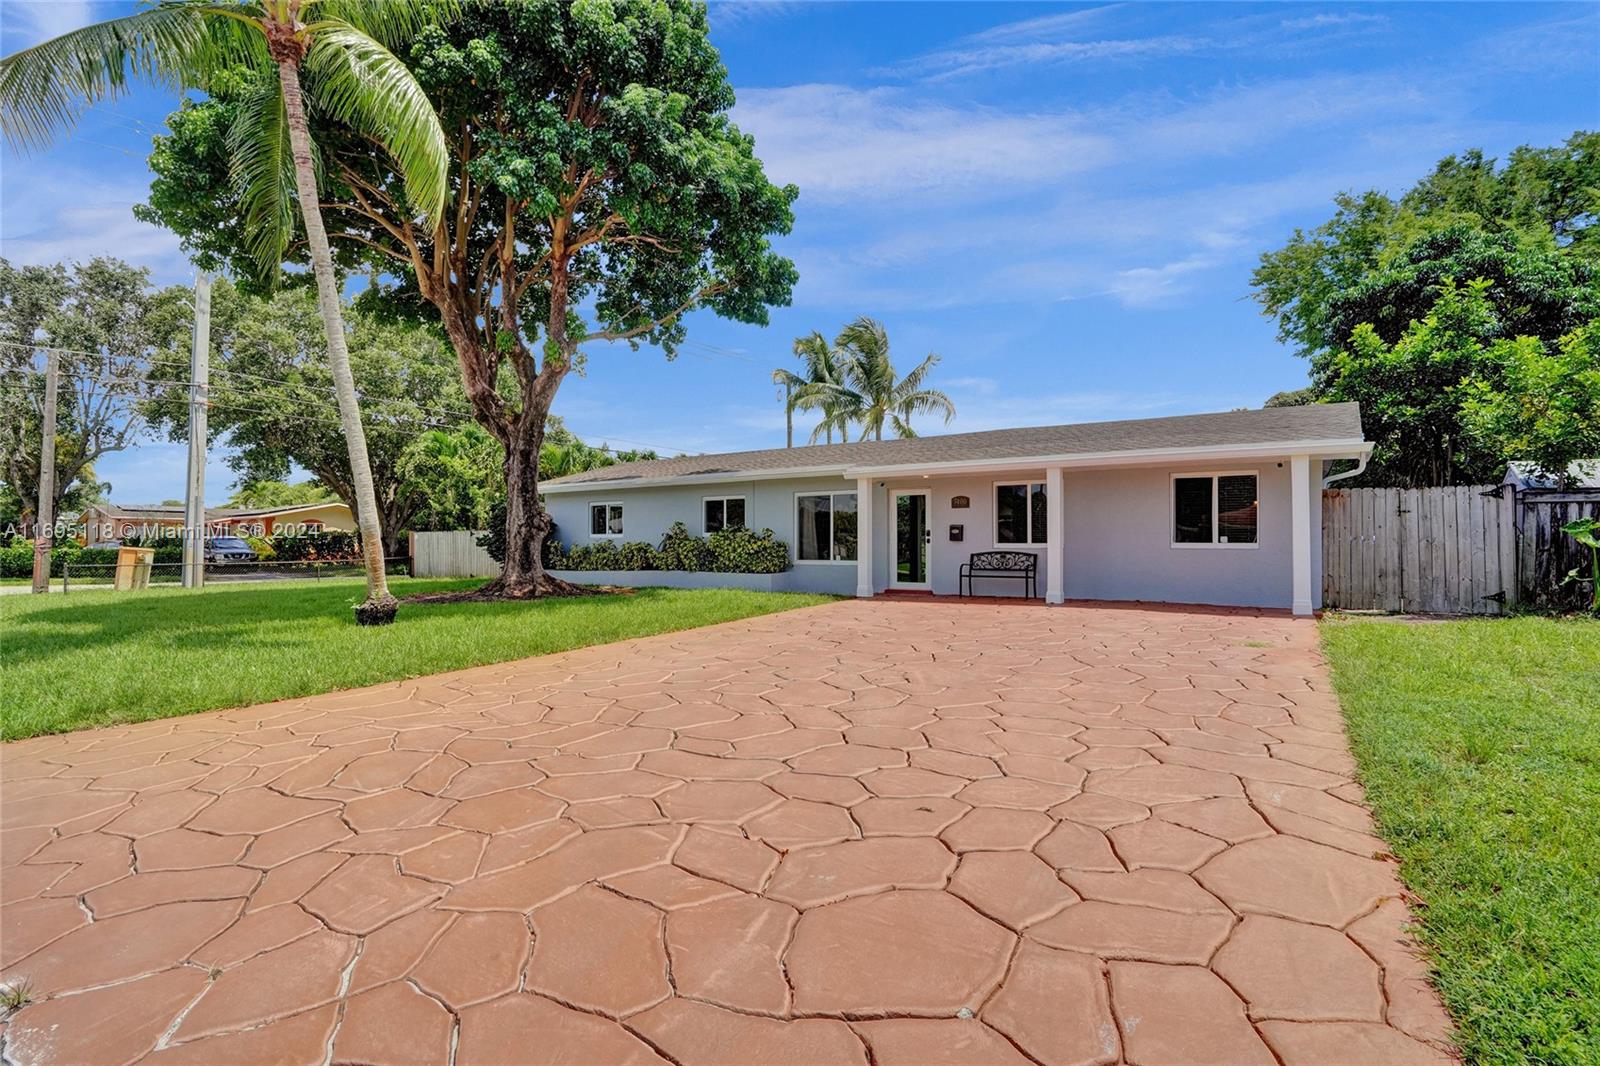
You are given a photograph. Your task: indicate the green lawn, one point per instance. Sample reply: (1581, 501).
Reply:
(95, 658)
(1479, 744)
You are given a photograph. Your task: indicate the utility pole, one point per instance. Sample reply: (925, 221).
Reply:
(44, 529)
(194, 500)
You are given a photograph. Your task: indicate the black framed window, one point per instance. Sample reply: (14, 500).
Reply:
(724, 512)
(1219, 510)
(605, 520)
(825, 527)
(1021, 513)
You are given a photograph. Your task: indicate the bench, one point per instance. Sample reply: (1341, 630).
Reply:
(1021, 565)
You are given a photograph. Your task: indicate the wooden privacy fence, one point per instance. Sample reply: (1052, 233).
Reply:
(1450, 550)
(1459, 549)
(1546, 553)
(451, 554)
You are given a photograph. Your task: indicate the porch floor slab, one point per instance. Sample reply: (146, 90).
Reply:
(873, 831)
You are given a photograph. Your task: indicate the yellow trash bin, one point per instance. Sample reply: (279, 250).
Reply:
(133, 567)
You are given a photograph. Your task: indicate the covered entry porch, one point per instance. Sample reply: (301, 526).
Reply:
(1237, 529)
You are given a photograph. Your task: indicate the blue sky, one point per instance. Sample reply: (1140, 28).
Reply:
(1064, 202)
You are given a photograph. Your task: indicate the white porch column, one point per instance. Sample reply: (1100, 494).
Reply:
(1300, 530)
(1055, 518)
(864, 537)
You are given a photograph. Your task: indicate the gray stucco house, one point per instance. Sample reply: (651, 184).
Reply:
(1213, 509)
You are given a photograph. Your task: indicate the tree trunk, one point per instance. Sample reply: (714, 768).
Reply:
(523, 575)
(380, 606)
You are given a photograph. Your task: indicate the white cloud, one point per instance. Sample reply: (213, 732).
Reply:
(65, 214)
(1152, 286)
(27, 22)
(839, 142)
(1334, 21)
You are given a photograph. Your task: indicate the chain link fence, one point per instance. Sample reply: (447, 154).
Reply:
(84, 576)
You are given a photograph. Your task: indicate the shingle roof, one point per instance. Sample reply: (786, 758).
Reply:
(1273, 425)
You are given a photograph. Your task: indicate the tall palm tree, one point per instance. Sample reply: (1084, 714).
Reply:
(810, 390)
(870, 393)
(350, 77)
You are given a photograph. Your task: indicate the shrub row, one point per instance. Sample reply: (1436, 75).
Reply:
(16, 558)
(330, 544)
(731, 551)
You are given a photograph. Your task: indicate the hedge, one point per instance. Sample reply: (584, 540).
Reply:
(16, 558)
(730, 551)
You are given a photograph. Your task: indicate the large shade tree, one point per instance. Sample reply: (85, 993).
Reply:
(1396, 302)
(273, 403)
(598, 192)
(291, 60)
(99, 317)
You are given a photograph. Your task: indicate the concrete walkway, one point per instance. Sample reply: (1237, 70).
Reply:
(924, 832)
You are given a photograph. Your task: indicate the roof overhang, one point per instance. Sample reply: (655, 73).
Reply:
(719, 477)
(1320, 449)
(1353, 448)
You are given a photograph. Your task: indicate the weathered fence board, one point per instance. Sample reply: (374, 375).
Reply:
(1443, 550)
(1457, 549)
(1547, 555)
(451, 554)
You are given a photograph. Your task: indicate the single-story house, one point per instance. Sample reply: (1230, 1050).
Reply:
(1215, 509)
(109, 521)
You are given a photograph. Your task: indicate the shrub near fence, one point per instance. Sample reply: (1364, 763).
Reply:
(16, 558)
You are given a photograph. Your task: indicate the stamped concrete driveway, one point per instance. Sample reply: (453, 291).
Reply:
(904, 833)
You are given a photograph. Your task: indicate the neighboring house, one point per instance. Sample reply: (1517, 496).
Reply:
(1582, 474)
(109, 521)
(1216, 509)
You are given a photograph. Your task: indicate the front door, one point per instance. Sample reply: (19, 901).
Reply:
(911, 537)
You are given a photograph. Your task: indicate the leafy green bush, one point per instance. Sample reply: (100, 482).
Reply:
(330, 544)
(732, 551)
(682, 550)
(262, 546)
(744, 551)
(168, 549)
(16, 558)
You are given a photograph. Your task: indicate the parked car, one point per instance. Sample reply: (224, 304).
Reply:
(104, 544)
(229, 551)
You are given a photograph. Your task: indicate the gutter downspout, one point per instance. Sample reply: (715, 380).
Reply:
(1361, 465)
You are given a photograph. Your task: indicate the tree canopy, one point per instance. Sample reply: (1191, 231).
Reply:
(598, 192)
(99, 315)
(272, 393)
(1417, 305)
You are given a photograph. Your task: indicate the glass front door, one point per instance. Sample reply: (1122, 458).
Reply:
(911, 537)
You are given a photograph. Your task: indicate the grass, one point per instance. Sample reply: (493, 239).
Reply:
(1479, 745)
(98, 658)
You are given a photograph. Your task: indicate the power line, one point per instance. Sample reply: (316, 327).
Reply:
(368, 408)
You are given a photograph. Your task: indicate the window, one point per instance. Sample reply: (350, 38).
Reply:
(1021, 513)
(825, 527)
(1214, 510)
(605, 520)
(724, 512)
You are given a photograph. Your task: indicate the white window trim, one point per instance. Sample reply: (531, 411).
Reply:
(794, 519)
(1172, 508)
(588, 515)
(994, 523)
(707, 499)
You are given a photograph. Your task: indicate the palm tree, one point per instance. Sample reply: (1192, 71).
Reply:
(810, 390)
(870, 393)
(351, 77)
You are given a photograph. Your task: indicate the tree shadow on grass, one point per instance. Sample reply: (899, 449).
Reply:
(235, 617)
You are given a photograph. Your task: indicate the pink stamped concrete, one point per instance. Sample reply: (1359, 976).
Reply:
(887, 831)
